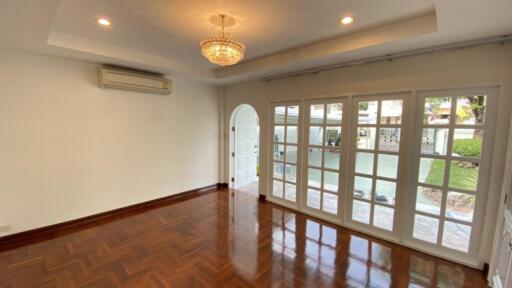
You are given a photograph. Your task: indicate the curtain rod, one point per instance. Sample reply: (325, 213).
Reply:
(460, 45)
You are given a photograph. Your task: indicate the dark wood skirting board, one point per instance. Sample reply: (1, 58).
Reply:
(485, 271)
(52, 231)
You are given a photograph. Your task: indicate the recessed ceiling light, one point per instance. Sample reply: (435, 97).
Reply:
(347, 20)
(103, 22)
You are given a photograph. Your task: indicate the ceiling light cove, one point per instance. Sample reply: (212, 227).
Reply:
(222, 50)
(105, 22)
(347, 20)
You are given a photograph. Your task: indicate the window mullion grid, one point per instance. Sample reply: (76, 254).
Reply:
(435, 126)
(432, 186)
(432, 156)
(385, 204)
(282, 173)
(322, 164)
(308, 145)
(463, 191)
(290, 182)
(465, 159)
(313, 145)
(285, 148)
(340, 151)
(391, 125)
(386, 179)
(284, 151)
(303, 189)
(369, 201)
(446, 179)
(388, 152)
(432, 215)
(330, 170)
(298, 154)
(459, 221)
(375, 161)
(469, 126)
(365, 150)
(362, 175)
(331, 192)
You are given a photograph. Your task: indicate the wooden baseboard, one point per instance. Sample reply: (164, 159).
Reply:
(59, 229)
(485, 271)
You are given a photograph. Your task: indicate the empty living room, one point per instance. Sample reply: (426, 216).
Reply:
(225, 143)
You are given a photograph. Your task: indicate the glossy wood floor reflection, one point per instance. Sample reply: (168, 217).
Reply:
(220, 240)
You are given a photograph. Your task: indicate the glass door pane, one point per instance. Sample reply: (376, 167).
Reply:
(449, 163)
(323, 157)
(285, 143)
(376, 156)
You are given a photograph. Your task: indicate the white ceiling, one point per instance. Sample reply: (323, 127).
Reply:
(281, 36)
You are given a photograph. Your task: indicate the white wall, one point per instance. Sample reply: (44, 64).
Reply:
(478, 66)
(69, 149)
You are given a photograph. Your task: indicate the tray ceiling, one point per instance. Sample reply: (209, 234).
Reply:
(164, 35)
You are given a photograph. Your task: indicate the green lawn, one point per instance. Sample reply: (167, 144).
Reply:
(436, 173)
(460, 177)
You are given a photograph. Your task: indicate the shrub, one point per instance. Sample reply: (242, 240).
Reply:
(467, 147)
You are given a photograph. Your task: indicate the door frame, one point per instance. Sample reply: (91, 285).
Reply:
(298, 173)
(408, 136)
(472, 257)
(401, 181)
(232, 143)
(342, 168)
(503, 212)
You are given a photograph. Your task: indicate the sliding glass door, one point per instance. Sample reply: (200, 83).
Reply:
(285, 160)
(377, 132)
(324, 156)
(452, 167)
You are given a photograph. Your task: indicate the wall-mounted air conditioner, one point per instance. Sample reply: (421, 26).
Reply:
(118, 78)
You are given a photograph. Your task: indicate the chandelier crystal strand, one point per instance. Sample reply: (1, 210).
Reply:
(222, 50)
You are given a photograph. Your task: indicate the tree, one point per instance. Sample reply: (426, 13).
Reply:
(477, 104)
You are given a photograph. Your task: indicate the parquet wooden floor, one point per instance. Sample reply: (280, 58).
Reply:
(224, 240)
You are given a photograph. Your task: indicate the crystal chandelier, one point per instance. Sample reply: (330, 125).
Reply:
(222, 50)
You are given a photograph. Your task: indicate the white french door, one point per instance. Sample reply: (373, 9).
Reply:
(452, 163)
(375, 161)
(285, 160)
(324, 158)
(370, 163)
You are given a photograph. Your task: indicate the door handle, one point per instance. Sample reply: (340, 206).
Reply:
(510, 244)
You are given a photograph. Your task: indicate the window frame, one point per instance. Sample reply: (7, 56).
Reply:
(298, 164)
(481, 192)
(400, 180)
(342, 170)
(407, 170)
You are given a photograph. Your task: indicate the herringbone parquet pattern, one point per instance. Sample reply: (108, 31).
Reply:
(224, 240)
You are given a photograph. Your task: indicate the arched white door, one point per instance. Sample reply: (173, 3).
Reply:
(245, 147)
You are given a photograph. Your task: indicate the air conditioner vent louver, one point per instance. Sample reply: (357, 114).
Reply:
(118, 78)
